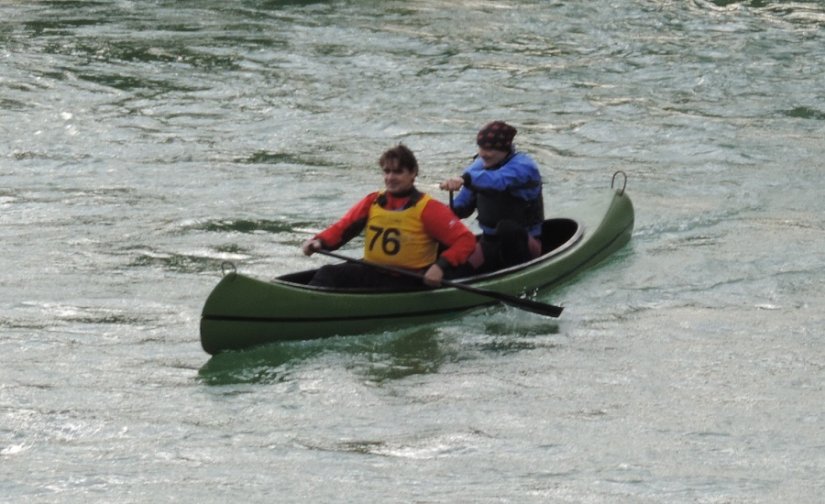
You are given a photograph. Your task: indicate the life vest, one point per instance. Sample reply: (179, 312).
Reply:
(495, 206)
(522, 204)
(397, 237)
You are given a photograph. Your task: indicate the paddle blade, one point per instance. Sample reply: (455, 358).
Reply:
(547, 310)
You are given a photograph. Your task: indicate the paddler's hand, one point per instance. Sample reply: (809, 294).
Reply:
(311, 246)
(453, 184)
(434, 275)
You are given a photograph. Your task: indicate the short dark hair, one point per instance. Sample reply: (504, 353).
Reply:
(403, 155)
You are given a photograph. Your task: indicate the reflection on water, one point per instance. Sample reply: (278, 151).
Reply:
(418, 351)
(264, 364)
(377, 357)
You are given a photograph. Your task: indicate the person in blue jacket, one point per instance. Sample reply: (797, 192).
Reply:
(504, 187)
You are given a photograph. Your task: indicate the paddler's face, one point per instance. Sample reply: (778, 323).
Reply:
(491, 157)
(397, 179)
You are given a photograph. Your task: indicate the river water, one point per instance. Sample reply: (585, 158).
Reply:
(143, 143)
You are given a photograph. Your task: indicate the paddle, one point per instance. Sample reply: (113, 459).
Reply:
(524, 304)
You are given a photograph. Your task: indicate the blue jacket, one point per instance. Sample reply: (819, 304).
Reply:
(512, 190)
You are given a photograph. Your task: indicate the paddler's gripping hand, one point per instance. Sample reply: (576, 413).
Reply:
(311, 246)
(434, 275)
(453, 184)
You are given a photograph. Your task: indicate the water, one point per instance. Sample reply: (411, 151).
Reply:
(144, 143)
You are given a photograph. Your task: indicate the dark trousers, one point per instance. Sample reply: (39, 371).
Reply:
(352, 275)
(508, 247)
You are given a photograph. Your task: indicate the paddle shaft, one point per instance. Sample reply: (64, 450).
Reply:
(524, 304)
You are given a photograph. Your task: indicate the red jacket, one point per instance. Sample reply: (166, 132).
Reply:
(439, 222)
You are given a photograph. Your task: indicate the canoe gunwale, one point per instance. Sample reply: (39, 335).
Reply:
(550, 254)
(575, 237)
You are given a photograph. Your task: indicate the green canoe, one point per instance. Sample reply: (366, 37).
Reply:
(242, 312)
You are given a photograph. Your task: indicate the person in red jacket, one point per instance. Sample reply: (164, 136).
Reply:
(403, 228)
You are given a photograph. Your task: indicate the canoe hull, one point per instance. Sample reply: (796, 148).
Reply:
(242, 312)
(236, 334)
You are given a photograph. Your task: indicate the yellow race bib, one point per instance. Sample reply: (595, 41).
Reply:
(397, 237)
